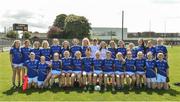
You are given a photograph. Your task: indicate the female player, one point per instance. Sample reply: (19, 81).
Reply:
(103, 49)
(55, 47)
(87, 68)
(150, 71)
(119, 70)
(42, 71)
(131, 47)
(97, 72)
(130, 70)
(94, 47)
(36, 50)
(15, 60)
(150, 48)
(67, 80)
(32, 66)
(25, 51)
(121, 48)
(160, 48)
(85, 45)
(112, 49)
(75, 47)
(46, 51)
(108, 71)
(65, 47)
(162, 72)
(141, 46)
(140, 70)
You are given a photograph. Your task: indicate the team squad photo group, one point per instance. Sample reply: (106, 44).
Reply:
(93, 65)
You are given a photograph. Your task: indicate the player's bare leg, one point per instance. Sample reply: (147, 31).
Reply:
(138, 80)
(122, 80)
(118, 81)
(113, 82)
(19, 76)
(105, 82)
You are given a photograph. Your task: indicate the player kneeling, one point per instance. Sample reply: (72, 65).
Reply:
(42, 71)
(67, 80)
(140, 70)
(150, 71)
(130, 68)
(109, 76)
(162, 72)
(87, 69)
(77, 69)
(119, 70)
(97, 72)
(31, 66)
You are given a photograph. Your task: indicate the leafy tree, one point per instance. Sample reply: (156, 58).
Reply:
(59, 21)
(55, 32)
(12, 34)
(26, 35)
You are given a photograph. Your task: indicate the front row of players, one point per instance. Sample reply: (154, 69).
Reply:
(89, 72)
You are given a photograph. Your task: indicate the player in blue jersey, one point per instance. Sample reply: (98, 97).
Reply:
(75, 47)
(103, 49)
(85, 45)
(131, 47)
(15, 60)
(119, 70)
(94, 47)
(150, 48)
(141, 46)
(42, 71)
(87, 68)
(36, 49)
(140, 70)
(46, 51)
(160, 48)
(150, 71)
(25, 51)
(77, 68)
(112, 48)
(55, 70)
(32, 68)
(65, 47)
(130, 70)
(66, 77)
(97, 72)
(121, 48)
(55, 47)
(162, 72)
(108, 70)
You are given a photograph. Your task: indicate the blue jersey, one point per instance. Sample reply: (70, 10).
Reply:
(140, 65)
(55, 49)
(25, 53)
(97, 64)
(83, 49)
(32, 68)
(87, 63)
(162, 67)
(56, 65)
(37, 53)
(77, 64)
(42, 71)
(16, 55)
(150, 68)
(134, 52)
(113, 52)
(122, 50)
(63, 50)
(161, 49)
(118, 65)
(141, 48)
(152, 50)
(108, 65)
(46, 53)
(66, 64)
(130, 65)
(74, 49)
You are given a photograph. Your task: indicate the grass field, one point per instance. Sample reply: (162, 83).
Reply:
(77, 95)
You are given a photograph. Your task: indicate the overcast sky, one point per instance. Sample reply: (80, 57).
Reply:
(139, 14)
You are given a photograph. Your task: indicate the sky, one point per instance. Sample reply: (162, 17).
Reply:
(139, 15)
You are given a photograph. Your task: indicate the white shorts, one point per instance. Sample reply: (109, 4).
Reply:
(151, 80)
(32, 80)
(40, 83)
(141, 73)
(130, 73)
(17, 65)
(161, 79)
(55, 72)
(119, 73)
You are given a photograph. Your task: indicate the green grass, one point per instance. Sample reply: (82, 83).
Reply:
(77, 95)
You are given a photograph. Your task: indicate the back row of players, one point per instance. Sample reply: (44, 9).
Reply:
(91, 64)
